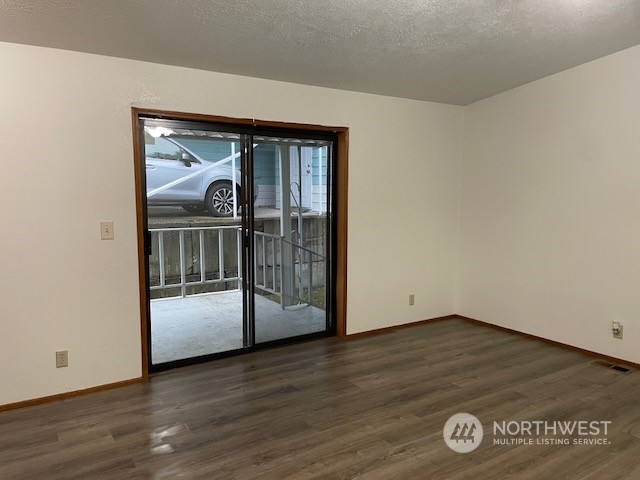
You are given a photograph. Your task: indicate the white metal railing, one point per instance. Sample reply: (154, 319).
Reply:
(164, 255)
(265, 245)
(262, 241)
(272, 283)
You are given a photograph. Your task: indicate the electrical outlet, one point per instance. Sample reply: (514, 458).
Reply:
(106, 231)
(62, 358)
(412, 299)
(617, 330)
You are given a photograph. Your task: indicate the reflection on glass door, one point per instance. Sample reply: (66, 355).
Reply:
(194, 216)
(291, 248)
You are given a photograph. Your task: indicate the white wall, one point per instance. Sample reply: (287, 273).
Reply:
(66, 139)
(548, 220)
(550, 210)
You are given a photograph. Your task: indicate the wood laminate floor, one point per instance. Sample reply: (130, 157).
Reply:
(371, 408)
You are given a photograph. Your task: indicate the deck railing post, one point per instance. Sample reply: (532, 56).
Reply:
(220, 256)
(183, 279)
(161, 258)
(310, 278)
(239, 264)
(273, 262)
(203, 273)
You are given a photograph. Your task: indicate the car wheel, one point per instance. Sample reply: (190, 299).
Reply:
(194, 208)
(219, 199)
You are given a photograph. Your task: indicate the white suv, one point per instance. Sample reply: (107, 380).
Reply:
(177, 176)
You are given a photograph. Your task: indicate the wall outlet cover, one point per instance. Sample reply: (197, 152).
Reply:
(62, 358)
(106, 231)
(617, 330)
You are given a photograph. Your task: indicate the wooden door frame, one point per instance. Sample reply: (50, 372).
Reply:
(341, 211)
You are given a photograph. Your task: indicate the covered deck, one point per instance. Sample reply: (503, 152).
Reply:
(212, 323)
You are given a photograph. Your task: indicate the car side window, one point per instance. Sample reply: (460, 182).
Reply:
(163, 149)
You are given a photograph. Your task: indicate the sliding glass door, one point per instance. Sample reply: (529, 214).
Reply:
(291, 240)
(239, 226)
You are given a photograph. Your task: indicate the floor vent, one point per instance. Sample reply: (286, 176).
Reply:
(621, 369)
(611, 366)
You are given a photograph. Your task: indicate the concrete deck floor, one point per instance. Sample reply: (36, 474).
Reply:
(200, 325)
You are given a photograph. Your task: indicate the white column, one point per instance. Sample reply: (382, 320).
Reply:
(287, 258)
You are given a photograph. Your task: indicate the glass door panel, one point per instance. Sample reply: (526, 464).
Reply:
(291, 220)
(195, 216)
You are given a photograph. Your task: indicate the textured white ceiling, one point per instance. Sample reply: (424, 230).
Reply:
(451, 51)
